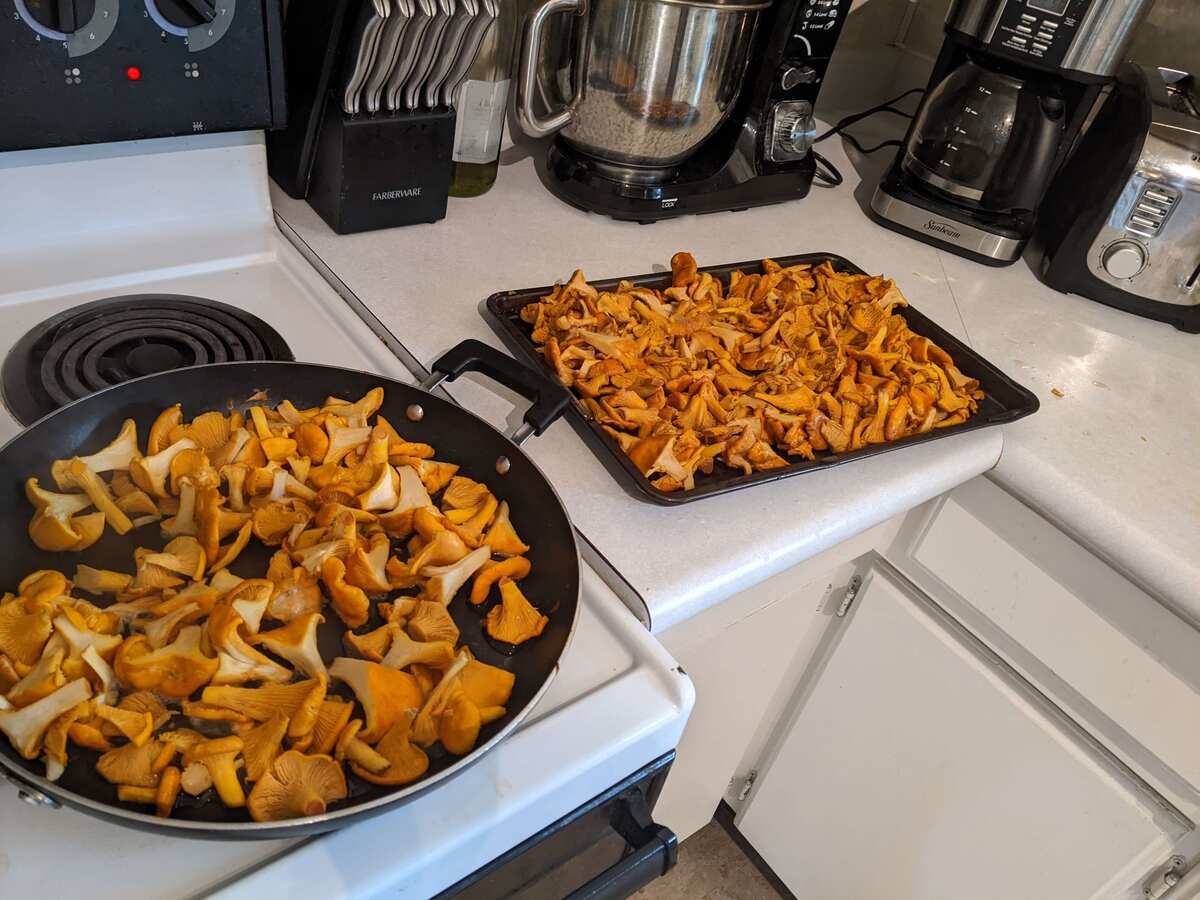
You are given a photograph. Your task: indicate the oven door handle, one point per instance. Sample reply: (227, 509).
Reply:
(654, 852)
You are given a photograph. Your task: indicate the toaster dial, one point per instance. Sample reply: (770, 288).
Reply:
(792, 131)
(1124, 259)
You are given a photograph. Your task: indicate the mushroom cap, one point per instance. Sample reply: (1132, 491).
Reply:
(487, 685)
(372, 645)
(177, 670)
(300, 702)
(502, 537)
(431, 621)
(331, 719)
(297, 786)
(262, 745)
(183, 555)
(297, 643)
(41, 681)
(147, 702)
(130, 764)
(459, 724)
(350, 602)
(238, 661)
(384, 693)
(23, 634)
(514, 620)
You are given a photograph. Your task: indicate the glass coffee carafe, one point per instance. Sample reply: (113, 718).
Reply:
(987, 139)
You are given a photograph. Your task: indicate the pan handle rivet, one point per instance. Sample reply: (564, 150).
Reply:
(415, 412)
(36, 798)
(503, 465)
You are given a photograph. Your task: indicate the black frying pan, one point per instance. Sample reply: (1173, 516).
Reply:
(458, 436)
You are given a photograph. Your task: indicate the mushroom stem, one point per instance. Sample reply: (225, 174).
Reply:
(363, 754)
(310, 803)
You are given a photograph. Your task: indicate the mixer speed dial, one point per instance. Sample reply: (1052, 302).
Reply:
(79, 25)
(200, 22)
(792, 131)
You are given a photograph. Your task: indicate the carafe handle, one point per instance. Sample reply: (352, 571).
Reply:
(533, 124)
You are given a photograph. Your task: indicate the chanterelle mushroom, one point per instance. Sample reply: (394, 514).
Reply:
(408, 762)
(262, 744)
(220, 758)
(297, 643)
(300, 702)
(115, 457)
(384, 693)
(55, 525)
(177, 670)
(297, 786)
(238, 662)
(23, 634)
(131, 764)
(514, 620)
(444, 581)
(25, 727)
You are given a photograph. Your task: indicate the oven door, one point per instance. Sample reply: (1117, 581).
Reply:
(609, 847)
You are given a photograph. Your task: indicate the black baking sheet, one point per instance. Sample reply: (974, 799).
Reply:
(1006, 400)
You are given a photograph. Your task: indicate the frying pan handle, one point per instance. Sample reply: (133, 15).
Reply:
(549, 398)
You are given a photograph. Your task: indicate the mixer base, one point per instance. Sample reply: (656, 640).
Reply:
(695, 189)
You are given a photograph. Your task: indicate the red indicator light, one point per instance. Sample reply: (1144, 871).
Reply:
(133, 73)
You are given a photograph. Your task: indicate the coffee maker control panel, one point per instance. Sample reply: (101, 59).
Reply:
(87, 71)
(1039, 31)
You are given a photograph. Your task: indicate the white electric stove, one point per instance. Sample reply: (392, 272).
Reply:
(190, 217)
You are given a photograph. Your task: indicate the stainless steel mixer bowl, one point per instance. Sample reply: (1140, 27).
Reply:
(649, 80)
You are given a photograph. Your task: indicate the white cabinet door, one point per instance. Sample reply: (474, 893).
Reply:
(919, 767)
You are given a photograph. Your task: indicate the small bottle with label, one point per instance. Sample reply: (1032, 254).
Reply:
(481, 104)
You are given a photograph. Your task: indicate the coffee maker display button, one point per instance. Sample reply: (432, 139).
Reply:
(1018, 40)
(1042, 48)
(1042, 36)
(1124, 259)
(794, 76)
(1026, 17)
(1024, 29)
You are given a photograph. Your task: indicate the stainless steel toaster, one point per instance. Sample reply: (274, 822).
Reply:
(1121, 222)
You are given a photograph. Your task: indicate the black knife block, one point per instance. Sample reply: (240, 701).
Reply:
(382, 170)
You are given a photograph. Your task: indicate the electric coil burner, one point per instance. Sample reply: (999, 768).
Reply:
(97, 345)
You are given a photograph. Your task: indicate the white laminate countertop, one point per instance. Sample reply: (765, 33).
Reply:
(1108, 461)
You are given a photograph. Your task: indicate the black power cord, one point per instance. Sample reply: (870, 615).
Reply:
(827, 173)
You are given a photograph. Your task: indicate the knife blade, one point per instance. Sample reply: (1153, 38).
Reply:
(406, 55)
(481, 25)
(363, 44)
(385, 56)
(452, 39)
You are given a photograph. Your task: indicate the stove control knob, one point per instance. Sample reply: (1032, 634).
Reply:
(186, 13)
(201, 22)
(1124, 259)
(794, 76)
(80, 25)
(62, 16)
(792, 131)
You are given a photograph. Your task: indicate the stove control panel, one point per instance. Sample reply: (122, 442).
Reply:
(87, 71)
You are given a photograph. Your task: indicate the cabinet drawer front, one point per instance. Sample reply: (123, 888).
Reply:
(1121, 651)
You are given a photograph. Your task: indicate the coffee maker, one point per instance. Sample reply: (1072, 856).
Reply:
(663, 108)
(1012, 89)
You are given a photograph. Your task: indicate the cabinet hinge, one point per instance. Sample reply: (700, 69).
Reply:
(1164, 880)
(851, 593)
(747, 785)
